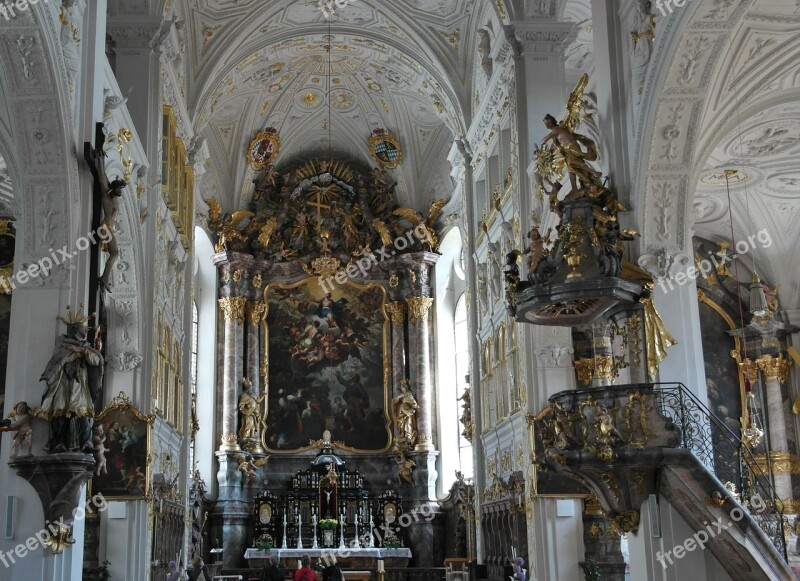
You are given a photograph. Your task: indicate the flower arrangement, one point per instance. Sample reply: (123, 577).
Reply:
(591, 570)
(520, 574)
(328, 523)
(265, 543)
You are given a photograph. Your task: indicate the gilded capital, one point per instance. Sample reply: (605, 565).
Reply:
(774, 368)
(418, 308)
(230, 443)
(396, 312)
(233, 307)
(256, 312)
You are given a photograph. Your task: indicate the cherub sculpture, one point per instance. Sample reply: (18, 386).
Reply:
(405, 468)
(20, 422)
(536, 251)
(99, 445)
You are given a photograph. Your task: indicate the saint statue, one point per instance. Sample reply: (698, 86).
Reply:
(575, 159)
(248, 407)
(74, 379)
(404, 411)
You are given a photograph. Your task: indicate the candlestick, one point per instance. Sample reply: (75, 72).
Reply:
(314, 544)
(299, 532)
(371, 537)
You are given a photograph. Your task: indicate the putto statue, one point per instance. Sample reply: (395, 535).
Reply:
(20, 422)
(74, 379)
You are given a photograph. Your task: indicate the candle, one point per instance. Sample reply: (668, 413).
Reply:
(513, 552)
(299, 564)
(380, 565)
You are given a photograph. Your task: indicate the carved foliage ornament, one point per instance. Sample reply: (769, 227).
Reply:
(418, 308)
(233, 308)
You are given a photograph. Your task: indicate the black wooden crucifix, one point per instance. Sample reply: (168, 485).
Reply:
(90, 155)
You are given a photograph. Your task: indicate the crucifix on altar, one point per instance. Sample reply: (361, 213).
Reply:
(328, 507)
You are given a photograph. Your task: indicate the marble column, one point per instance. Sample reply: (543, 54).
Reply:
(256, 312)
(601, 541)
(397, 316)
(233, 309)
(420, 368)
(775, 371)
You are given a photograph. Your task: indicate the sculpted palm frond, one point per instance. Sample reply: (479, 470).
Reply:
(574, 104)
(214, 210)
(435, 211)
(240, 216)
(409, 214)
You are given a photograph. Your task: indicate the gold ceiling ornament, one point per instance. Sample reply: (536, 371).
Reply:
(264, 148)
(418, 308)
(627, 522)
(75, 317)
(774, 368)
(386, 148)
(604, 367)
(256, 312)
(396, 312)
(233, 308)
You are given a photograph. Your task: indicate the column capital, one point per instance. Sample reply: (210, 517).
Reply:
(233, 308)
(774, 368)
(418, 308)
(396, 312)
(150, 33)
(256, 312)
(545, 38)
(230, 443)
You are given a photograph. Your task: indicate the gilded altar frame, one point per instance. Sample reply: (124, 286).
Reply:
(735, 353)
(121, 407)
(386, 368)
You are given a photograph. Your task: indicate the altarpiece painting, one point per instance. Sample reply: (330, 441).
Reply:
(326, 353)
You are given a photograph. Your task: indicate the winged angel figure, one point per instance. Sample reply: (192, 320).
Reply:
(225, 225)
(566, 151)
(424, 229)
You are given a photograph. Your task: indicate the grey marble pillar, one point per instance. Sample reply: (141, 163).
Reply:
(775, 372)
(256, 312)
(233, 310)
(397, 316)
(420, 368)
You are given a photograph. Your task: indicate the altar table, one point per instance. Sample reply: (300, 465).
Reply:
(366, 558)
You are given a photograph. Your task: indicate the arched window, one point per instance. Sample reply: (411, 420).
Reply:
(461, 330)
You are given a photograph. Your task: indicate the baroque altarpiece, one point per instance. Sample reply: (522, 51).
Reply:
(325, 308)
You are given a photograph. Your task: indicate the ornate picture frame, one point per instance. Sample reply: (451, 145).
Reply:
(264, 148)
(122, 451)
(317, 357)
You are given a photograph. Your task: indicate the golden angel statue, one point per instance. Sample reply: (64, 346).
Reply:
(424, 228)
(225, 225)
(566, 151)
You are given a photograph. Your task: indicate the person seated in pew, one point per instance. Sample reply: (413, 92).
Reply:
(272, 572)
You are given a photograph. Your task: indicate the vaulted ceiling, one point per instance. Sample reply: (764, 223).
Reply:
(399, 66)
(751, 123)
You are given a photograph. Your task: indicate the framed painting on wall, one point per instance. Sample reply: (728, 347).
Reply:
(121, 437)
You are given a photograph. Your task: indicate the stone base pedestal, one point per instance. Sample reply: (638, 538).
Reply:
(58, 480)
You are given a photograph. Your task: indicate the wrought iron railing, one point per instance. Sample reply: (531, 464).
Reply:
(707, 436)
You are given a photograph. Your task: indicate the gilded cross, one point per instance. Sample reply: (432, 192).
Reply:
(317, 203)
